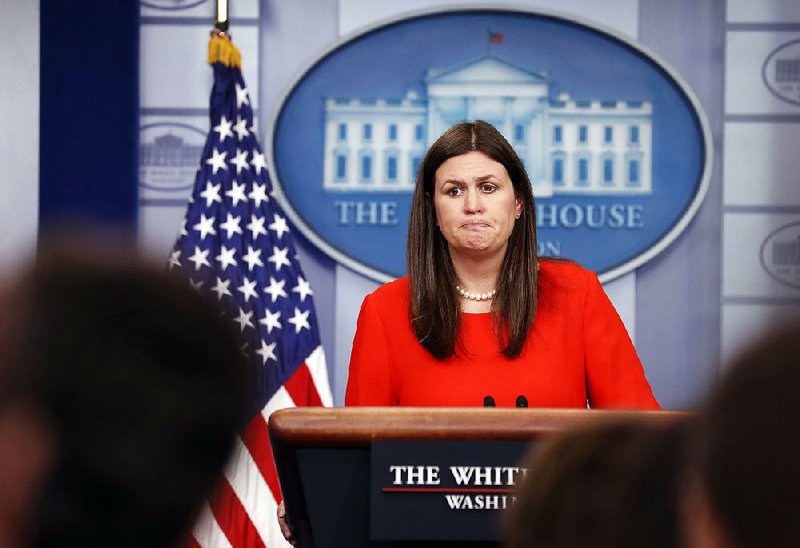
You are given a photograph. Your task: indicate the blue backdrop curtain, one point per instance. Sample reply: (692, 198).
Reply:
(89, 113)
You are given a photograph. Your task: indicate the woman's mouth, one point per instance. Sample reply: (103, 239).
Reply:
(473, 225)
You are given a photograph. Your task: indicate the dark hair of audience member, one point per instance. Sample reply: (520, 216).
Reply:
(26, 443)
(747, 447)
(601, 485)
(144, 386)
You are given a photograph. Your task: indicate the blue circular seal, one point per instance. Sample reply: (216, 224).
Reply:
(172, 5)
(616, 145)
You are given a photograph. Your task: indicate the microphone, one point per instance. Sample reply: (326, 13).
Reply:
(488, 401)
(522, 401)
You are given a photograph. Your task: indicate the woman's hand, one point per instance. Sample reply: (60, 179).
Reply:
(284, 524)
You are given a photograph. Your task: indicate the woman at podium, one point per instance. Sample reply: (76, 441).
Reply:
(481, 319)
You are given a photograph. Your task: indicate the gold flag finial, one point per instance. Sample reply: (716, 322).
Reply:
(220, 47)
(222, 50)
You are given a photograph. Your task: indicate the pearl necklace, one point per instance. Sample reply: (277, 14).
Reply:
(475, 296)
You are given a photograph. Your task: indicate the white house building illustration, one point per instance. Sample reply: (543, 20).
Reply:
(787, 70)
(598, 146)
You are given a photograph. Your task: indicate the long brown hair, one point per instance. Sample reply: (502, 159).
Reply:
(435, 309)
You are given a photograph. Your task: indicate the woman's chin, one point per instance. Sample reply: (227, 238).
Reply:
(473, 247)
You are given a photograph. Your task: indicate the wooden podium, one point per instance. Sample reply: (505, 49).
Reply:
(323, 458)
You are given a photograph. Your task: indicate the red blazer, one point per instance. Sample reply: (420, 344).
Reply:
(578, 352)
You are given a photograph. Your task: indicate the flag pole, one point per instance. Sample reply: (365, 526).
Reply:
(222, 16)
(220, 48)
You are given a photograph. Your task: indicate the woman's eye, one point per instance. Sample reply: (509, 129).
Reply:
(455, 191)
(488, 189)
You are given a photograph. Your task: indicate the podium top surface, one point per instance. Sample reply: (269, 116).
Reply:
(361, 425)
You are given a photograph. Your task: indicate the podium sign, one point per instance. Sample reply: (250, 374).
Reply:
(329, 471)
(442, 490)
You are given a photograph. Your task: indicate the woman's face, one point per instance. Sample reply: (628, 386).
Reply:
(475, 204)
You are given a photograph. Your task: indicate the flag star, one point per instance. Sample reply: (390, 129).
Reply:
(279, 257)
(303, 288)
(196, 285)
(225, 257)
(174, 259)
(224, 128)
(259, 194)
(256, 226)
(211, 193)
(275, 289)
(200, 258)
(240, 160)
(243, 319)
(253, 258)
(279, 226)
(205, 226)
(267, 352)
(236, 194)
(243, 350)
(241, 128)
(222, 288)
(183, 231)
(259, 162)
(217, 160)
(241, 96)
(300, 320)
(247, 289)
(271, 320)
(231, 225)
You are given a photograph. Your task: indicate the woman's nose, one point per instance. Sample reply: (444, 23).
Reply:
(473, 201)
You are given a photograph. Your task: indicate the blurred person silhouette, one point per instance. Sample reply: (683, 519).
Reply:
(743, 477)
(128, 389)
(611, 484)
(26, 443)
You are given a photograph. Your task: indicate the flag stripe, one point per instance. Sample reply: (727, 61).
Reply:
(301, 387)
(256, 497)
(281, 400)
(319, 372)
(207, 533)
(256, 439)
(233, 519)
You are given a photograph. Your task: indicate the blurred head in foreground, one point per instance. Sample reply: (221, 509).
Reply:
(744, 480)
(128, 389)
(601, 485)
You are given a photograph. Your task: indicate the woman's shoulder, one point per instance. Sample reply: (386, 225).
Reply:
(388, 302)
(391, 293)
(563, 283)
(563, 272)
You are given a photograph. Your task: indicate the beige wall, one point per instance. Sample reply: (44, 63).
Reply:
(19, 133)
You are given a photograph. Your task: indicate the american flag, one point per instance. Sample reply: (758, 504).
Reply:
(236, 247)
